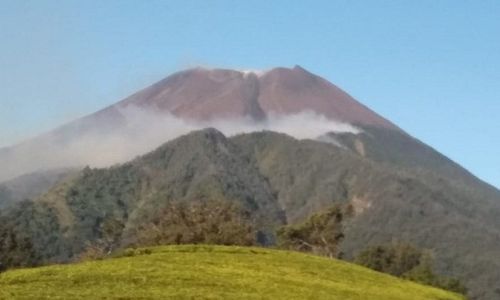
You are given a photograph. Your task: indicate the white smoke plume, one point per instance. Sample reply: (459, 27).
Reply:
(144, 132)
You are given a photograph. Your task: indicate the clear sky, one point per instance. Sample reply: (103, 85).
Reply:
(432, 67)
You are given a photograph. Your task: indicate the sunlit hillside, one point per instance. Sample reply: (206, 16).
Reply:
(211, 272)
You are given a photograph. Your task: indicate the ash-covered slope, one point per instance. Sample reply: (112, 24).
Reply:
(208, 94)
(185, 101)
(280, 179)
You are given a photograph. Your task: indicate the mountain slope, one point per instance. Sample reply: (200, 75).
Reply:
(401, 188)
(212, 272)
(391, 203)
(29, 186)
(201, 165)
(205, 94)
(281, 180)
(194, 96)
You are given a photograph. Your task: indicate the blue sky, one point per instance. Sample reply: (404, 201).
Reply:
(432, 67)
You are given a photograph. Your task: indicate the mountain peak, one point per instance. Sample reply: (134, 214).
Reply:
(209, 133)
(207, 97)
(258, 72)
(205, 94)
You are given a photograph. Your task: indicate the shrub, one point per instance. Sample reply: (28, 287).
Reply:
(320, 234)
(406, 261)
(110, 231)
(199, 222)
(16, 246)
(395, 259)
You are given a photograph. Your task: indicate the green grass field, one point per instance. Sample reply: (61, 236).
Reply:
(211, 272)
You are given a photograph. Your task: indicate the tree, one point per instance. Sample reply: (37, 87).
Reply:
(407, 261)
(395, 259)
(110, 231)
(196, 222)
(320, 234)
(16, 248)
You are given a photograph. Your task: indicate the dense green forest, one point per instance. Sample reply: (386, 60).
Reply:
(275, 191)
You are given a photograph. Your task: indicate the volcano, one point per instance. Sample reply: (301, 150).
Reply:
(203, 96)
(160, 149)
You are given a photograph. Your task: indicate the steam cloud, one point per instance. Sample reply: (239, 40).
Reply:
(144, 132)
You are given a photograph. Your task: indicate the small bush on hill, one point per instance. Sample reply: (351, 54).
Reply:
(395, 259)
(407, 261)
(110, 231)
(199, 222)
(320, 234)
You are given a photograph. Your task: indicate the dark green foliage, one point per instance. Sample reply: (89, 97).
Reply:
(109, 240)
(393, 199)
(111, 231)
(130, 252)
(424, 273)
(100, 196)
(395, 259)
(202, 165)
(320, 234)
(31, 235)
(16, 248)
(199, 222)
(452, 284)
(404, 260)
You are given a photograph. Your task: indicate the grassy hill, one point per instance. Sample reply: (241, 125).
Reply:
(211, 272)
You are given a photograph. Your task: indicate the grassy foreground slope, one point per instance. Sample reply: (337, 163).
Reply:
(211, 272)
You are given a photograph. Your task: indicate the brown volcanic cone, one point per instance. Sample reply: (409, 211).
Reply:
(203, 94)
(196, 94)
(288, 91)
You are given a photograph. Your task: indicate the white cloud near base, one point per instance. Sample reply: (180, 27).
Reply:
(145, 131)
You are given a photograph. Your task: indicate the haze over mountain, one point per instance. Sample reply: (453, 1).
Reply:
(331, 149)
(292, 101)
